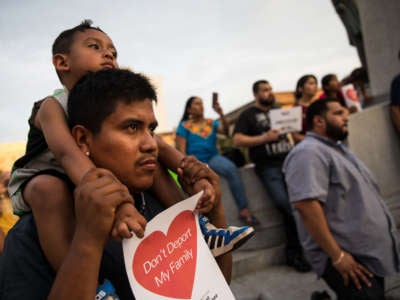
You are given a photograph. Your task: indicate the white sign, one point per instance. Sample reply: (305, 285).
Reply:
(350, 96)
(286, 120)
(172, 260)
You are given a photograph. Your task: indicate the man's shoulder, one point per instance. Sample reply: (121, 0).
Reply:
(310, 148)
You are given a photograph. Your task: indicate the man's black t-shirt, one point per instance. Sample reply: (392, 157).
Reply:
(395, 91)
(25, 272)
(253, 122)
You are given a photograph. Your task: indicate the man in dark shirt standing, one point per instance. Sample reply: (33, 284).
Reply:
(395, 101)
(268, 149)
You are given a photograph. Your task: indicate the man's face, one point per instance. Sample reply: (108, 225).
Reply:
(336, 122)
(264, 95)
(126, 146)
(91, 50)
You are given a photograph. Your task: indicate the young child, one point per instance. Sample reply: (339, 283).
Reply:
(52, 154)
(332, 89)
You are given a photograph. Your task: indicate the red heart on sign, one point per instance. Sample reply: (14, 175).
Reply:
(166, 264)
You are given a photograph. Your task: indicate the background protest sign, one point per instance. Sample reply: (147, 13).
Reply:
(350, 96)
(172, 260)
(286, 120)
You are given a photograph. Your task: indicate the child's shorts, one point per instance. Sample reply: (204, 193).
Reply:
(44, 163)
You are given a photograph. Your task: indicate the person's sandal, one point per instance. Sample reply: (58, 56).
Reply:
(250, 220)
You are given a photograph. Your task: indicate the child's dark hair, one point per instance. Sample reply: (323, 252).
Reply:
(63, 42)
(300, 84)
(326, 80)
(318, 108)
(187, 106)
(96, 95)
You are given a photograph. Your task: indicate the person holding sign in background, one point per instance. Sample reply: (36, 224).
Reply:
(197, 136)
(333, 89)
(268, 149)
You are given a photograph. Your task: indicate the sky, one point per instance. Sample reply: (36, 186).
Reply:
(193, 47)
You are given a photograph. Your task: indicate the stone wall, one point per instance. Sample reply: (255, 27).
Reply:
(380, 24)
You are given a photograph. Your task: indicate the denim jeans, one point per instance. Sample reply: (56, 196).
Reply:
(335, 281)
(274, 182)
(227, 169)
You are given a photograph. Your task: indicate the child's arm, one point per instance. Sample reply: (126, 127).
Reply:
(52, 121)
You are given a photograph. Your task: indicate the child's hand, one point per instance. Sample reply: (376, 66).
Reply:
(128, 219)
(194, 177)
(208, 200)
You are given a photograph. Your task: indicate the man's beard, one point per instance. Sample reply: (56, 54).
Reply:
(336, 133)
(267, 102)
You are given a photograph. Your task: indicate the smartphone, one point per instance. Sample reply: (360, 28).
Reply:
(214, 98)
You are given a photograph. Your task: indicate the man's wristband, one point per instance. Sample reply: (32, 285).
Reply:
(336, 262)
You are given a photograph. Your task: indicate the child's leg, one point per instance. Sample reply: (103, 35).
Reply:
(165, 188)
(52, 205)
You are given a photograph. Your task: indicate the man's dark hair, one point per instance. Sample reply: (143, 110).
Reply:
(326, 80)
(63, 42)
(257, 84)
(96, 95)
(318, 108)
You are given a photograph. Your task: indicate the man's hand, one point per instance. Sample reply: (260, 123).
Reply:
(271, 135)
(352, 270)
(128, 219)
(194, 177)
(97, 197)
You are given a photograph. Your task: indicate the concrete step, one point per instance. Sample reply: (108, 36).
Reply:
(277, 283)
(284, 283)
(249, 261)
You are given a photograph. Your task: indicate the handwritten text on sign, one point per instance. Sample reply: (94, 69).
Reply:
(286, 120)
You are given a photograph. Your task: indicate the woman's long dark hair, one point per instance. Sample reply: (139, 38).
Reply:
(300, 84)
(187, 106)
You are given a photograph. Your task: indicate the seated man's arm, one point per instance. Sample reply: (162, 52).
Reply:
(95, 208)
(244, 140)
(314, 220)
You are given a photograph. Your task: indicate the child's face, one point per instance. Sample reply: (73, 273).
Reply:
(92, 50)
(334, 84)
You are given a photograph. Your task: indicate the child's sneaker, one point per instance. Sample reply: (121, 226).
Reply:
(221, 240)
(106, 291)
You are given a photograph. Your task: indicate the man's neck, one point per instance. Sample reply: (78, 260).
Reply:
(323, 134)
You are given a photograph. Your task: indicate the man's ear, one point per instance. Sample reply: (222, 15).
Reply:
(61, 62)
(319, 121)
(83, 137)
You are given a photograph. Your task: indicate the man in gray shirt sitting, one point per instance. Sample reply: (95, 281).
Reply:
(345, 227)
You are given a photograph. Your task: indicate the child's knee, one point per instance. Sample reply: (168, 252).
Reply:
(46, 190)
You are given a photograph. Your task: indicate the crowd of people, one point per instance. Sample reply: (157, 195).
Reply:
(95, 170)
